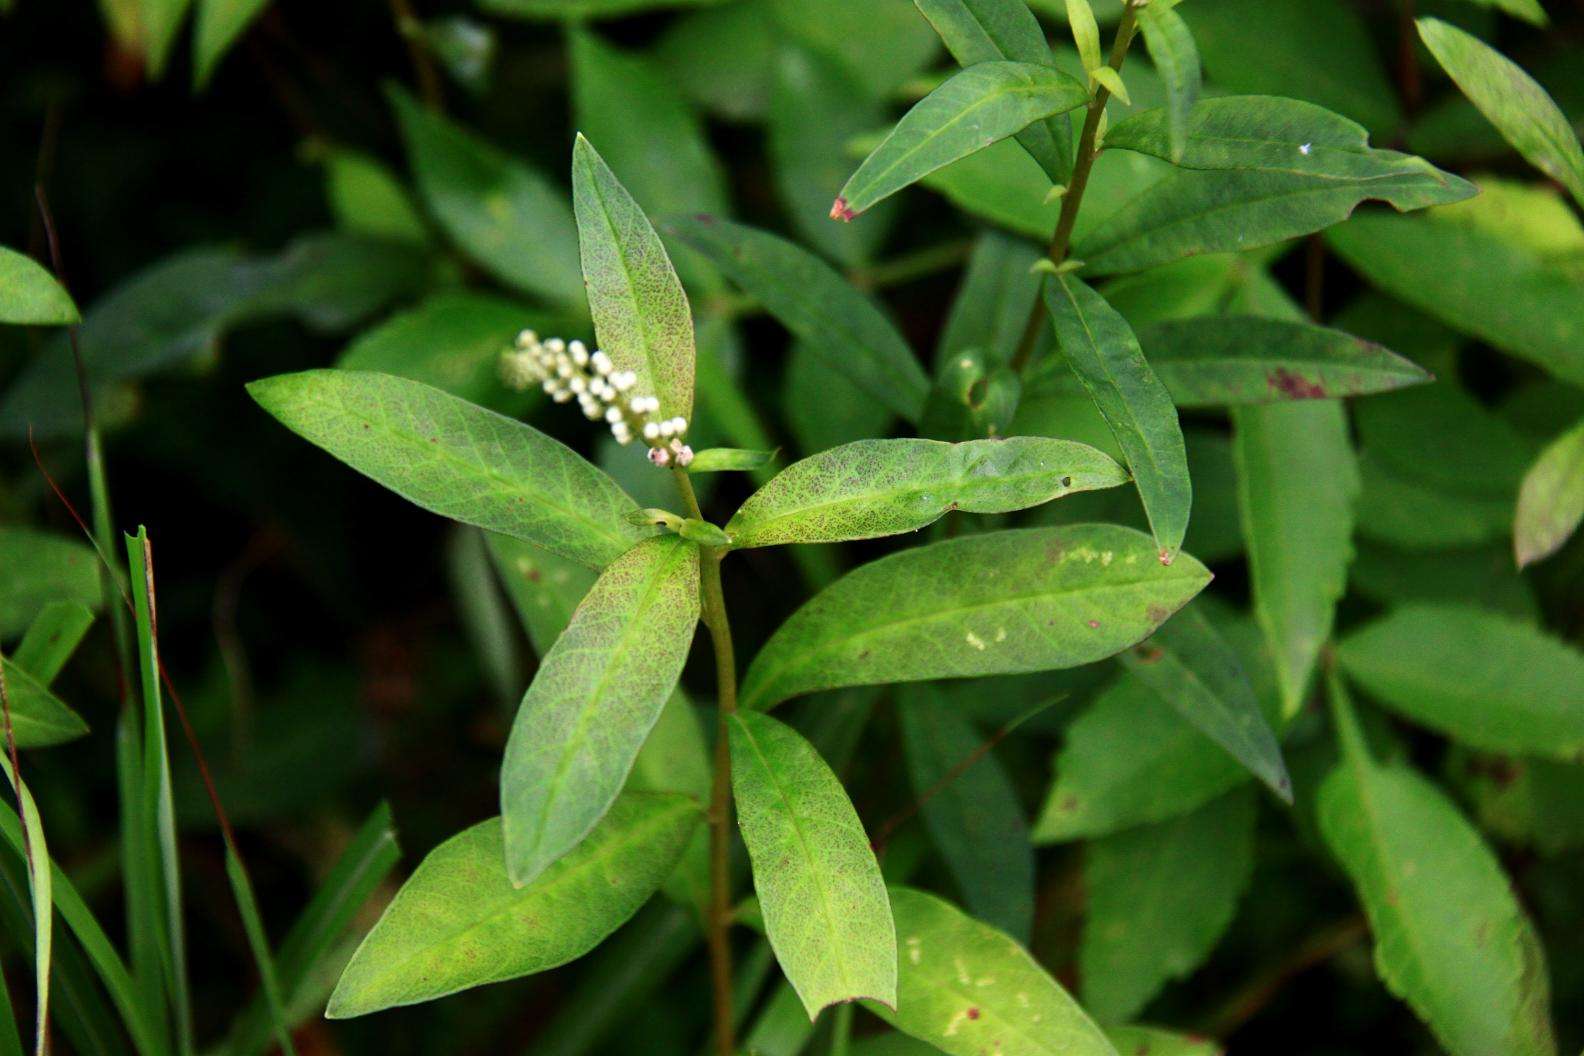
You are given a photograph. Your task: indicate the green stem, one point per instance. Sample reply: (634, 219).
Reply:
(713, 606)
(1082, 165)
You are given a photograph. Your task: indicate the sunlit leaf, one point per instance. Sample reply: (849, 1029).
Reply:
(824, 903)
(1101, 349)
(1040, 599)
(594, 699)
(978, 106)
(457, 460)
(1551, 500)
(873, 488)
(29, 294)
(459, 921)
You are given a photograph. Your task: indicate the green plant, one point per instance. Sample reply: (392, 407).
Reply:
(1124, 396)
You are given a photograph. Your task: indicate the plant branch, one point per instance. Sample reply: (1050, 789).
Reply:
(1082, 165)
(713, 606)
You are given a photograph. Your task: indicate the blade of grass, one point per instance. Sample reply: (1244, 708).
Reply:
(36, 853)
(258, 942)
(157, 812)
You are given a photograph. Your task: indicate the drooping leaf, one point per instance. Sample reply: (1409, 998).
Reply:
(1297, 484)
(640, 311)
(824, 902)
(29, 294)
(1160, 898)
(1488, 680)
(1191, 666)
(872, 488)
(459, 921)
(976, 31)
(507, 217)
(1100, 347)
(1450, 939)
(219, 25)
(1235, 359)
(812, 300)
(1551, 500)
(1510, 99)
(1172, 50)
(594, 699)
(457, 460)
(453, 341)
(976, 107)
(1044, 598)
(973, 815)
(37, 568)
(965, 987)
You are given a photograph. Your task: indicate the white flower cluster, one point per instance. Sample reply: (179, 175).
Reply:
(568, 370)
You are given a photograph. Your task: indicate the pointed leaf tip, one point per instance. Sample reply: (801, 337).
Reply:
(840, 211)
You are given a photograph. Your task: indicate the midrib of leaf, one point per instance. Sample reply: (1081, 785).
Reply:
(575, 871)
(1110, 376)
(504, 485)
(808, 856)
(1361, 369)
(1317, 152)
(940, 614)
(962, 115)
(585, 713)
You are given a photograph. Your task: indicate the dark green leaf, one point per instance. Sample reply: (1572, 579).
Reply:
(1172, 50)
(880, 43)
(367, 199)
(37, 568)
(1045, 598)
(457, 460)
(1101, 349)
(52, 638)
(992, 306)
(576, 9)
(459, 921)
(219, 24)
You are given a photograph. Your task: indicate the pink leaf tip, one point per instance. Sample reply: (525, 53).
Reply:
(840, 210)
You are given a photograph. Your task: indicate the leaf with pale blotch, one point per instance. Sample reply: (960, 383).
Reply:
(459, 921)
(1297, 484)
(1551, 499)
(819, 886)
(640, 311)
(1101, 349)
(507, 217)
(974, 816)
(871, 488)
(976, 107)
(1172, 50)
(593, 701)
(967, 988)
(29, 294)
(1038, 599)
(457, 459)
(1220, 360)
(1485, 679)
(1450, 938)
(1522, 111)
(1160, 898)
(1193, 668)
(976, 31)
(811, 299)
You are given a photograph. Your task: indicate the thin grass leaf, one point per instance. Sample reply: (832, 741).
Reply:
(140, 868)
(52, 638)
(40, 878)
(258, 944)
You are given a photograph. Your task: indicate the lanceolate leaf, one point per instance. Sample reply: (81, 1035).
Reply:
(872, 488)
(594, 699)
(1160, 898)
(1102, 351)
(1449, 937)
(974, 817)
(976, 31)
(460, 922)
(1488, 680)
(1297, 484)
(29, 294)
(1521, 110)
(976, 107)
(812, 300)
(640, 312)
(457, 460)
(1193, 668)
(1551, 500)
(824, 902)
(967, 988)
(1234, 359)
(1171, 48)
(1040, 598)
(38, 717)
(504, 215)
(37, 568)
